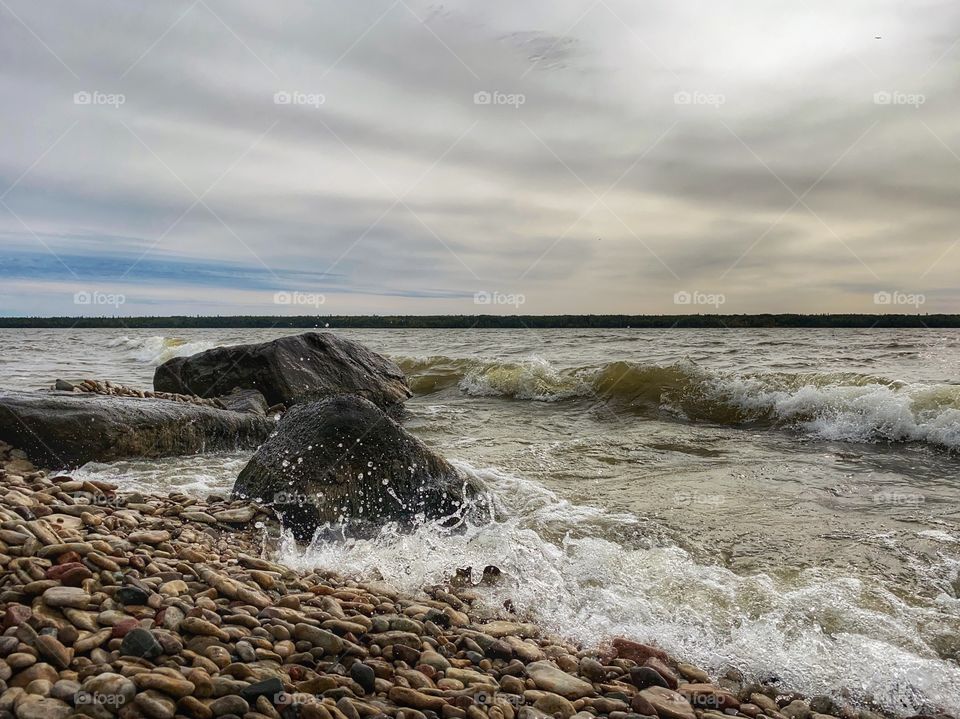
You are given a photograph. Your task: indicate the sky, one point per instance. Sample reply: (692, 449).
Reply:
(407, 157)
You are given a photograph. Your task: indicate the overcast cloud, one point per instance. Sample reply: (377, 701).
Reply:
(397, 156)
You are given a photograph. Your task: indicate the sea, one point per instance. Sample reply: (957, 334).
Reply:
(784, 503)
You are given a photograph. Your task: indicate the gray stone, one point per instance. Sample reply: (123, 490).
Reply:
(343, 460)
(298, 368)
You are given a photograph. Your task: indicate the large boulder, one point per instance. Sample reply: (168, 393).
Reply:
(343, 462)
(61, 430)
(288, 370)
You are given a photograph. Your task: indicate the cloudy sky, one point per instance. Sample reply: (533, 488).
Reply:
(400, 156)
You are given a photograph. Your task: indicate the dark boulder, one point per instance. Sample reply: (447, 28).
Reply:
(343, 462)
(60, 430)
(295, 369)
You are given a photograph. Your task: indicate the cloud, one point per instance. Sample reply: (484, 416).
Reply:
(626, 151)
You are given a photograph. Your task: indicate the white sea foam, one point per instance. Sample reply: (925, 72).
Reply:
(158, 349)
(845, 407)
(591, 575)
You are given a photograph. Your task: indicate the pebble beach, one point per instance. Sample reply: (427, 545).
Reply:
(171, 606)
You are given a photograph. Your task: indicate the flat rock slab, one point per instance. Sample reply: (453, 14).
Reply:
(288, 370)
(65, 430)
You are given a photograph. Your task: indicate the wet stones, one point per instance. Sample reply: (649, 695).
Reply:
(150, 614)
(140, 643)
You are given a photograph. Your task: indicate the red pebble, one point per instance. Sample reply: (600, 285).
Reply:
(16, 615)
(123, 627)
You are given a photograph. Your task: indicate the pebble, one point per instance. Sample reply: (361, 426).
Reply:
(140, 643)
(549, 677)
(155, 705)
(60, 596)
(668, 703)
(643, 677)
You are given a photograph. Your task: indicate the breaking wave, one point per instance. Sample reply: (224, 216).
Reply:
(843, 406)
(156, 349)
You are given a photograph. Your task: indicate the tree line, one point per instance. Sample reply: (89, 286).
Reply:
(710, 321)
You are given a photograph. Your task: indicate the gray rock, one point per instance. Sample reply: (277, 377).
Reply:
(61, 429)
(288, 370)
(343, 460)
(364, 676)
(140, 643)
(643, 677)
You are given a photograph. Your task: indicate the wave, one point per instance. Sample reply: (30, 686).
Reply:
(842, 406)
(157, 349)
(590, 575)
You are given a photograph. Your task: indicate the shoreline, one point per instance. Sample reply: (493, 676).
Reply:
(704, 320)
(161, 606)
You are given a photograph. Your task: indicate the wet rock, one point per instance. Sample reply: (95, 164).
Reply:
(233, 704)
(328, 641)
(298, 368)
(364, 676)
(69, 429)
(66, 597)
(53, 651)
(140, 643)
(636, 651)
(555, 704)
(343, 459)
(43, 709)
(592, 669)
(692, 673)
(405, 697)
(668, 703)
(171, 686)
(643, 677)
(131, 595)
(550, 678)
(155, 705)
(267, 688)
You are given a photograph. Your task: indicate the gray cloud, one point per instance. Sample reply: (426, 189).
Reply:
(698, 129)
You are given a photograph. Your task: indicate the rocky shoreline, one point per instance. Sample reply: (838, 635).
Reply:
(165, 606)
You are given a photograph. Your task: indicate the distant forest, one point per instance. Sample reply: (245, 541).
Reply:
(492, 321)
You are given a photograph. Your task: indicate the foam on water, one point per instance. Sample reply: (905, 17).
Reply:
(591, 575)
(840, 406)
(158, 349)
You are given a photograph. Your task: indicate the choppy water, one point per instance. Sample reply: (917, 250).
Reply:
(781, 501)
